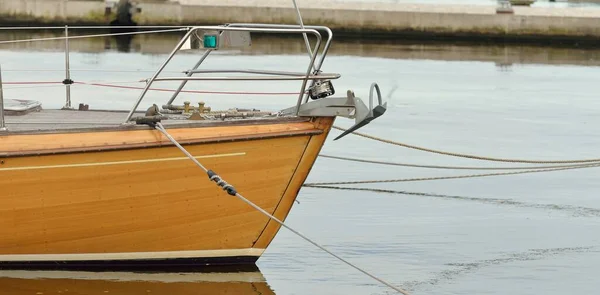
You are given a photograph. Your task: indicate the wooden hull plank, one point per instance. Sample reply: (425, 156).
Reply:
(22, 145)
(151, 200)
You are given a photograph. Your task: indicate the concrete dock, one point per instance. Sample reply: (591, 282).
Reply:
(353, 18)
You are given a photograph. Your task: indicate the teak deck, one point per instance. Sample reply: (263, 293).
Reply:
(57, 120)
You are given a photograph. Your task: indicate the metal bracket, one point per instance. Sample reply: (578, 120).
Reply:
(350, 107)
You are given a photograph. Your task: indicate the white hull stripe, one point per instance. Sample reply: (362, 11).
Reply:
(119, 162)
(134, 255)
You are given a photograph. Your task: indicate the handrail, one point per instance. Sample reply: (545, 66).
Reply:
(93, 36)
(323, 28)
(263, 28)
(252, 78)
(316, 67)
(92, 27)
(276, 73)
(221, 29)
(67, 82)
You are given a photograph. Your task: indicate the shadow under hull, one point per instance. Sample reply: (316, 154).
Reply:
(211, 264)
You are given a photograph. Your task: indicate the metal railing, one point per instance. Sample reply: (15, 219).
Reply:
(317, 67)
(273, 76)
(312, 73)
(67, 80)
(310, 53)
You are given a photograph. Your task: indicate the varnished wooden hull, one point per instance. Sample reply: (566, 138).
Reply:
(128, 198)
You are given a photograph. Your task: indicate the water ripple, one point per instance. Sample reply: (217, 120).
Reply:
(459, 269)
(577, 211)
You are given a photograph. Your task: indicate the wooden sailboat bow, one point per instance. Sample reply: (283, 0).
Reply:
(233, 192)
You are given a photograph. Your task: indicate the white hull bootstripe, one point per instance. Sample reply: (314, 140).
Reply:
(134, 255)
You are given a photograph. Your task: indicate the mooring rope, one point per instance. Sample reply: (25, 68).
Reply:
(451, 177)
(232, 191)
(446, 167)
(467, 155)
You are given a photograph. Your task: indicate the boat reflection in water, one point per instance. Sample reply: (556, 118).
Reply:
(130, 283)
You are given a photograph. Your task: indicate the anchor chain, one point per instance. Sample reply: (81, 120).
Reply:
(474, 157)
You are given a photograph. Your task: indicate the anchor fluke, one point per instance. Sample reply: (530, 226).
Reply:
(363, 115)
(350, 107)
(375, 113)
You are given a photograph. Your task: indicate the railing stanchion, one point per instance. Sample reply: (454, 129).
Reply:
(67, 81)
(189, 74)
(2, 125)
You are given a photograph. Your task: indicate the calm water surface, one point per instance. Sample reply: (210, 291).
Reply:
(519, 234)
(537, 3)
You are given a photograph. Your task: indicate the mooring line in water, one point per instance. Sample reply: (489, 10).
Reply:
(388, 163)
(232, 191)
(575, 210)
(474, 157)
(455, 176)
(470, 267)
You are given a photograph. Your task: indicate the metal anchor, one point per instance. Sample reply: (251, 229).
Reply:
(350, 107)
(364, 116)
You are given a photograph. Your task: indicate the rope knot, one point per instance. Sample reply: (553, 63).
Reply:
(222, 183)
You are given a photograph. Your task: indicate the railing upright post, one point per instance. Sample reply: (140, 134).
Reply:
(189, 74)
(2, 125)
(67, 80)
